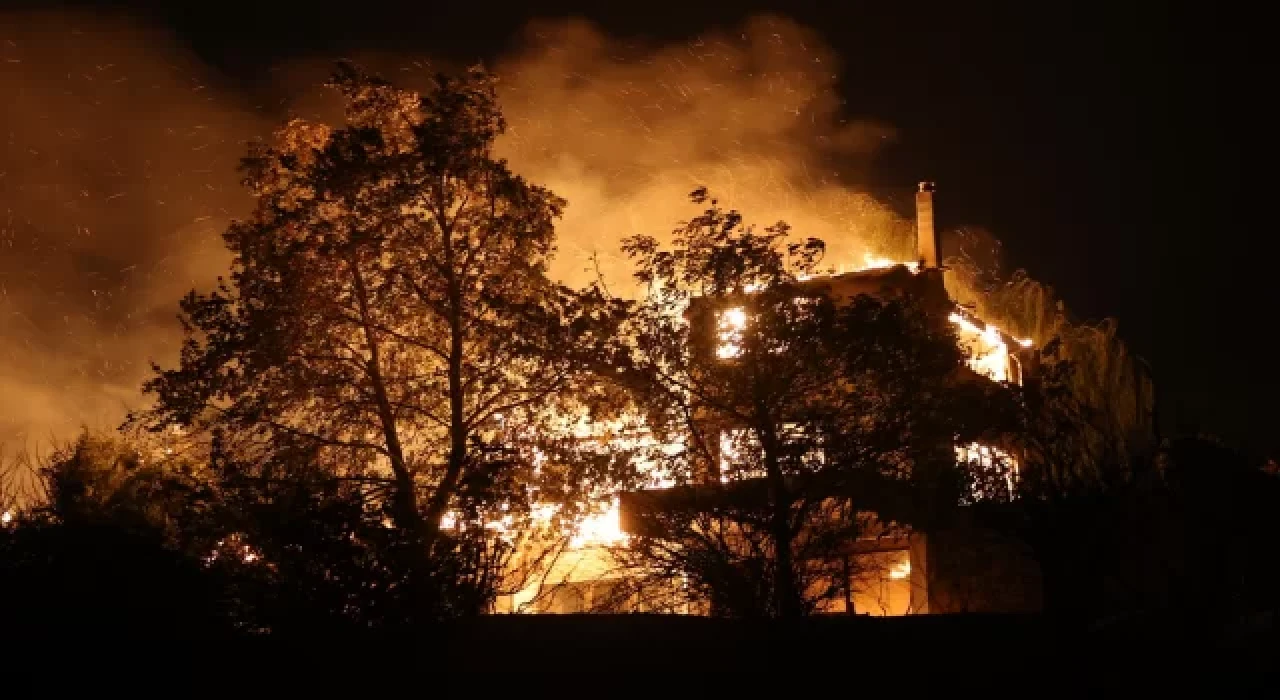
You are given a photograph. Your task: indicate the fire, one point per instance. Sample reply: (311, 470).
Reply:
(987, 456)
(982, 454)
(600, 529)
(729, 332)
(234, 546)
(901, 571)
(603, 525)
(730, 454)
(989, 353)
(590, 537)
(6, 518)
(731, 322)
(878, 262)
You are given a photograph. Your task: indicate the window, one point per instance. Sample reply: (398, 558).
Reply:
(991, 470)
(741, 456)
(882, 583)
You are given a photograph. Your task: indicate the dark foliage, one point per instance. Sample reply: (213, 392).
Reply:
(1191, 529)
(827, 418)
(384, 355)
(102, 557)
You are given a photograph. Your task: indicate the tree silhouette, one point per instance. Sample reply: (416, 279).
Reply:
(108, 549)
(389, 312)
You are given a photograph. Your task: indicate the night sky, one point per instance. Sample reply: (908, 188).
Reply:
(1106, 148)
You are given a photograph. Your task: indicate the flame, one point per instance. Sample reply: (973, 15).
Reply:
(449, 521)
(731, 455)
(901, 571)
(988, 352)
(601, 526)
(246, 553)
(729, 327)
(6, 518)
(987, 456)
(599, 529)
(871, 261)
(730, 322)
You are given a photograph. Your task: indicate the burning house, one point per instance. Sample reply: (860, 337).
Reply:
(888, 569)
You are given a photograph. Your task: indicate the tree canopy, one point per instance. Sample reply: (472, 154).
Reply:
(813, 409)
(389, 311)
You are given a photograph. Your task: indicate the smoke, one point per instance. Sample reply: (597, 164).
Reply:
(120, 147)
(116, 177)
(626, 131)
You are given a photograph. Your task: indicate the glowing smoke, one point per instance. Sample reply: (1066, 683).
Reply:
(625, 132)
(118, 174)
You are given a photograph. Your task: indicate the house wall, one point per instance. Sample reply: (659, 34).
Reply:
(964, 568)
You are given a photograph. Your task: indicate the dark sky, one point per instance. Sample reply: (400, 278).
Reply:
(1105, 146)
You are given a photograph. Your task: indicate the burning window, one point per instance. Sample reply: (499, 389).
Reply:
(603, 527)
(741, 456)
(731, 322)
(879, 585)
(992, 469)
(988, 352)
(882, 584)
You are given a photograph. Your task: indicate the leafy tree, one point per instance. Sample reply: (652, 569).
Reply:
(106, 549)
(299, 551)
(389, 313)
(1177, 530)
(814, 410)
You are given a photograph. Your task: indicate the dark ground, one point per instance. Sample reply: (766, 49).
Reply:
(638, 654)
(969, 649)
(939, 642)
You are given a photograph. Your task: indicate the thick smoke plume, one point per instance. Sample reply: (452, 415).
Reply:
(626, 131)
(118, 173)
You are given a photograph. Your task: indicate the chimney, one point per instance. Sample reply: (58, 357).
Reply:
(926, 237)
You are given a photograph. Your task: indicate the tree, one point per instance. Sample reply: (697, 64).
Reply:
(389, 313)
(1102, 391)
(814, 411)
(298, 551)
(1178, 530)
(107, 549)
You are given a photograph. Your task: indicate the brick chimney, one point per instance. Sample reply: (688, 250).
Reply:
(929, 251)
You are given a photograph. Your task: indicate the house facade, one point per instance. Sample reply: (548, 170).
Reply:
(889, 570)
